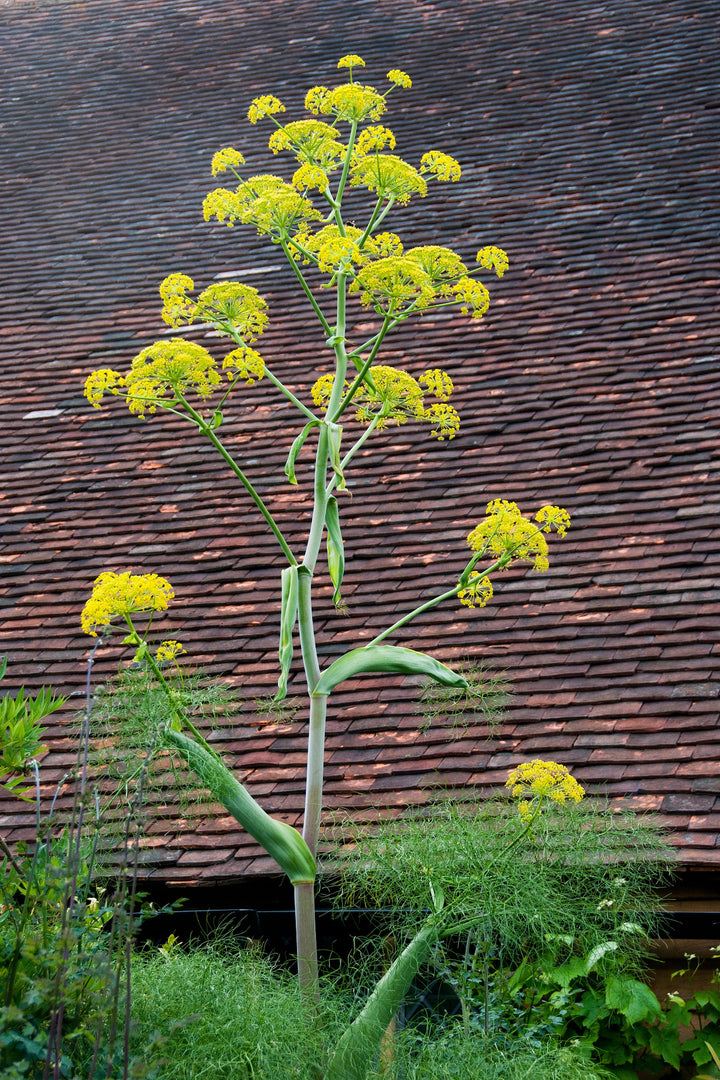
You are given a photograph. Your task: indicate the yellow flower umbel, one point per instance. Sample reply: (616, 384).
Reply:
(534, 781)
(396, 397)
(168, 651)
(511, 537)
(123, 595)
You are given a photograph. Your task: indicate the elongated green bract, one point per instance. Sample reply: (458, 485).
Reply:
(296, 448)
(359, 1045)
(281, 841)
(335, 547)
(391, 659)
(334, 443)
(288, 617)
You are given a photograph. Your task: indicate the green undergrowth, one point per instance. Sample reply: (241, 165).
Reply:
(219, 1012)
(225, 1013)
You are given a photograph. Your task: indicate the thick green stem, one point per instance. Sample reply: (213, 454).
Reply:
(306, 943)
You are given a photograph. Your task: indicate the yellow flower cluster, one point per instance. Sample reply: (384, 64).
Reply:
(374, 138)
(388, 176)
(536, 780)
(350, 61)
(493, 258)
(441, 166)
(99, 382)
(438, 382)
(478, 591)
(506, 534)
(400, 78)
(266, 201)
(443, 267)
(226, 159)
(168, 651)
(240, 306)
(166, 369)
(394, 285)
(267, 105)
(473, 296)
(312, 141)
(309, 177)
(412, 281)
(178, 308)
(244, 363)
(553, 517)
(123, 594)
(351, 102)
(396, 398)
(225, 303)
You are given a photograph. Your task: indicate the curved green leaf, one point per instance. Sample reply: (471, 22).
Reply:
(288, 615)
(334, 443)
(390, 659)
(283, 843)
(335, 548)
(359, 1045)
(296, 448)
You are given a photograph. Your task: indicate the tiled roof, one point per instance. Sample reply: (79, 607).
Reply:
(589, 136)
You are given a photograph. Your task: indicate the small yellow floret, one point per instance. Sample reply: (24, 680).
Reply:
(478, 592)
(493, 258)
(244, 363)
(178, 308)
(536, 780)
(400, 78)
(441, 166)
(168, 650)
(506, 534)
(309, 176)
(351, 61)
(267, 105)
(553, 517)
(99, 382)
(226, 159)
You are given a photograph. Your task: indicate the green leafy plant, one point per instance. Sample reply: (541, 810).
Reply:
(21, 733)
(64, 935)
(347, 273)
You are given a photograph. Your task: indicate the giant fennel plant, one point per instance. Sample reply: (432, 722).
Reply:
(343, 144)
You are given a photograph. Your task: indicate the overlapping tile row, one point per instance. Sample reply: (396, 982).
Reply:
(589, 143)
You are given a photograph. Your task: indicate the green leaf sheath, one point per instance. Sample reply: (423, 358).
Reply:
(295, 450)
(334, 445)
(281, 842)
(359, 1045)
(390, 659)
(288, 618)
(335, 548)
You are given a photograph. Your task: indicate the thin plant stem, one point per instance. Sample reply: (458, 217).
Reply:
(228, 458)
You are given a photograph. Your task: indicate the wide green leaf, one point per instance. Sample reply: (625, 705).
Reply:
(632, 998)
(390, 660)
(283, 843)
(360, 1043)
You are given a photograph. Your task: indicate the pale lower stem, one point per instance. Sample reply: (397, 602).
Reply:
(306, 942)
